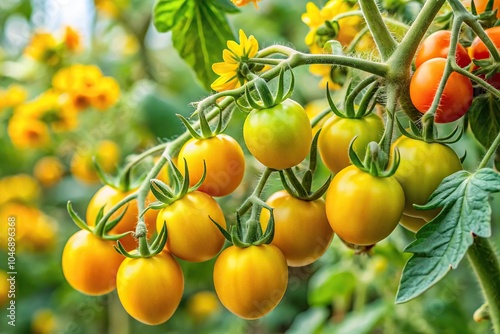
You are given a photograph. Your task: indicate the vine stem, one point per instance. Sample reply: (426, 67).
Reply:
(380, 33)
(247, 204)
(489, 154)
(485, 263)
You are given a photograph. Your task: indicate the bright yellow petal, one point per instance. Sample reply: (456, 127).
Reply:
(222, 68)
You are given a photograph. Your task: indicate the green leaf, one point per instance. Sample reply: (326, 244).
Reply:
(328, 283)
(334, 47)
(227, 6)
(167, 13)
(362, 322)
(310, 321)
(442, 243)
(200, 36)
(484, 118)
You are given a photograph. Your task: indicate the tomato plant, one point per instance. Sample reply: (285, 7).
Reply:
(279, 137)
(437, 45)
(224, 159)
(457, 94)
(192, 236)
(150, 289)
(412, 223)
(302, 231)
(422, 168)
(363, 209)
(337, 134)
(251, 281)
(90, 264)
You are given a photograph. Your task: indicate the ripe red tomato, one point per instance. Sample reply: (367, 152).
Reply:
(302, 231)
(478, 50)
(225, 163)
(437, 45)
(279, 137)
(192, 236)
(90, 264)
(108, 196)
(337, 134)
(361, 208)
(457, 94)
(150, 289)
(250, 281)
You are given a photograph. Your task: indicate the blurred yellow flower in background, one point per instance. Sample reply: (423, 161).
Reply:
(44, 321)
(86, 86)
(48, 170)
(12, 96)
(228, 70)
(21, 188)
(72, 39)
(43, 47)
(28, 133)
(202, 305)
(241, 3)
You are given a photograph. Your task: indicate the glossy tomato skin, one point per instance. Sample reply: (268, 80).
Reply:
(225, 163)
(412, 224)
(90, 264)
(457, 94)
(337, 134)
(109, 196)
(478, 50)
(150, 289)
(192, 236)
(363, 209)
(302, 231)
(250, 281)
(421, 169)
(279, 137)
(437, 45)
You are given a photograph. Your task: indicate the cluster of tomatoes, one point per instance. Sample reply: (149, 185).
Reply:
(250, 280)
(430, 65)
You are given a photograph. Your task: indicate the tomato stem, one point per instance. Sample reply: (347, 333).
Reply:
(485, 263)
(247, 204)
(491, 150)
(380, 33)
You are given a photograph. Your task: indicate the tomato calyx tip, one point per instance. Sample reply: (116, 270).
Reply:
(145, 250)
(375, 160)
(428, 133)
(166, 194)
(206, 131)
(263, 93)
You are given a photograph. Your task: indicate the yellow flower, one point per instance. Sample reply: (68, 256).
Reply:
(107, 7)
(228, 70)
(107, 93)
(48, 170)
(28, 132)
(20, 187)
(12, 96)
(241, 3)
(44, 322)
(4, 288)
(315, 18)
(202, 305)
(43, 48)
(72, 39)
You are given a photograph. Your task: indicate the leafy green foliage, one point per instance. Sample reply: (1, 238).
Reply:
(329, 283)
(484, 118)
(443, 242)
(199, 31)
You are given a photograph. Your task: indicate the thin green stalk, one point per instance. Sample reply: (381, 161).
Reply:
(485, 263)
(491, 150)
(495, 92)
(247, 204)
(376, 68)
(114, 209)
(392, 100)
(381, 34)
(320, 116)
(403, 55)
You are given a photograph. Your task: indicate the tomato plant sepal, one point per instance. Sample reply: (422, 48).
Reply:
(301, 189)
(167, 195)
(145, 250)
(206, 131)
(375, 160)
(102, 227)
(264, 95)
(428, 134)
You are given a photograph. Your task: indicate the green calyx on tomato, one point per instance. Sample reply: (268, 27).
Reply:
(101, 226)
(168, 194)
(375, 160)
(264, 98)
(428, 133)
(206, 131)
(301, 189)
